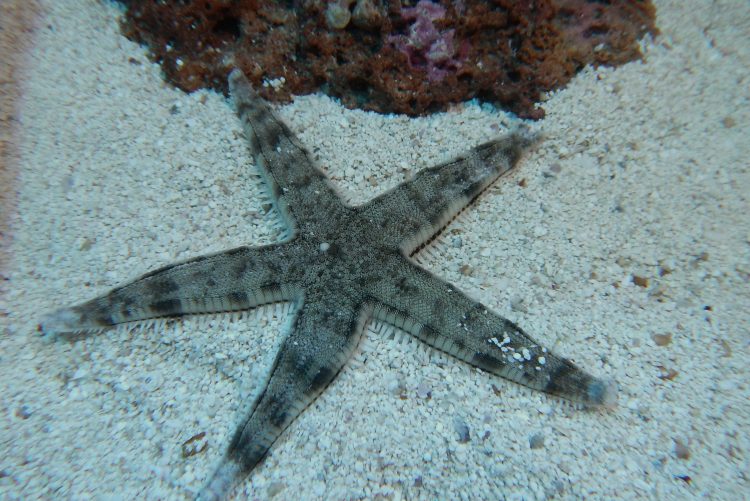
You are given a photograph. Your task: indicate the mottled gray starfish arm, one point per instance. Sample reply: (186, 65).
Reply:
(226, 281)
(325, 332)
(300, 190)
(445, 318)
(414, 211)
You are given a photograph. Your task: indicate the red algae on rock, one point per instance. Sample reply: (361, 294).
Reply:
(390, 56)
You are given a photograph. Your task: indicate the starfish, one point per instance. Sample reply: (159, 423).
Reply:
(340, 266)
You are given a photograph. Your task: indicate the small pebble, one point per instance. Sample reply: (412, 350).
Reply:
(23, 412)
(681, 450)
(545, 409)
(727, 385)
(424, 390)
(536, 441)
(462, 429)
(640, 281)
(194, 445)
(517, 303)
(662, 339)
(275, 488)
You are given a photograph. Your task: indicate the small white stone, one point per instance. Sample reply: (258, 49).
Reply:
(727, 385)
(545, 409)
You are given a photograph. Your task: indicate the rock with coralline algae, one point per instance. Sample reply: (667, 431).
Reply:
(390, 56)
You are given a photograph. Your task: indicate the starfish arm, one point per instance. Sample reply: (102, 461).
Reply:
(226, 281)
(414, 211)
(323, 337)
(300, 190)
(445, 318)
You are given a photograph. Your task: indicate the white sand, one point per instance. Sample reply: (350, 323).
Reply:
(644, 169)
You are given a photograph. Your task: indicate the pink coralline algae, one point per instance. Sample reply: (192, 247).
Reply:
(427, 48)
(390, 56)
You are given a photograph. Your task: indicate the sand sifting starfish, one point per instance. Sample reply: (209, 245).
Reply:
(341, 267)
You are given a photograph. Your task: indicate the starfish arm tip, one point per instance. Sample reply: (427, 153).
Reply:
(60, 321)
(528, 137)
(603, 393)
